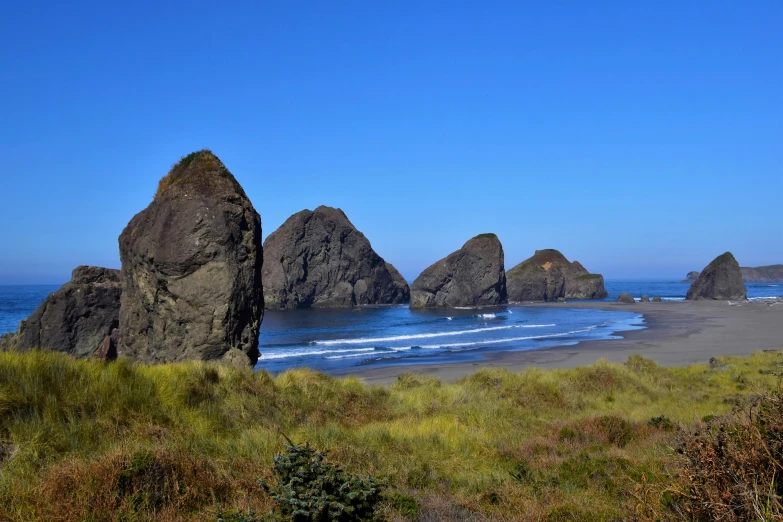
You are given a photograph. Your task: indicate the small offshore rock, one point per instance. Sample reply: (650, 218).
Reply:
(645, 299)
(626, 299)
(721, 279)
(657, 299)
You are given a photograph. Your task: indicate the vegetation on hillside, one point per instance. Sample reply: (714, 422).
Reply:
(84, 440)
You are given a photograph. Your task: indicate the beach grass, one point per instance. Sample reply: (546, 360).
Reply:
(86, 440)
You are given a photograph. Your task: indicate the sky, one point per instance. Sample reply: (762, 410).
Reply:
(641, 138)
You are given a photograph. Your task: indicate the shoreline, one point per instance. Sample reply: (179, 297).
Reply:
(675, 334)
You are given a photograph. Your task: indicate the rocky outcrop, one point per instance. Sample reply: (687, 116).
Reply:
(759, 274)
(721, 279)
(548, 275)
(107, 351)
(762, 274)
(317, 258)
(472, 276)
(657, 299)
(626, 299)
(76, 318)
(191, 268)
(645, 299)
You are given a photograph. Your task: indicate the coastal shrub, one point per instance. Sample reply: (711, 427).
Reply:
(405, 505)
(733, 467)
(309, 489)
(661, 422)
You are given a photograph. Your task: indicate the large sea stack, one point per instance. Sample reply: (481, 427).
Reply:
(721, 279)
(317, 258)
(474, 275)
(549, 276)
(191, 269)
(76, 318)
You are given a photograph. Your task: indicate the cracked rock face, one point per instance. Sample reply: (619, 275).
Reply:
(191, 268)
(549, 276)
(76, 318)
(721, 279)
(474, 275)
(319, 259)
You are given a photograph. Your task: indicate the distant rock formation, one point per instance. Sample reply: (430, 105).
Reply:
(762, 274)
(721, 279)
(548, 275)
(191, 269)
(76, 318)
(759, 274)
(645, 299)
(317, 258)
(626, 299)
(657, 299)
(474, 275)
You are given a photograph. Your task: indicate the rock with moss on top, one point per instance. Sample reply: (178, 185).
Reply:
(721, 279)
(318, 258)
(191, 266)
(474, 275)
(548, 276)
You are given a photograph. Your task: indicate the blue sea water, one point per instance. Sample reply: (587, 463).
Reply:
(17, 302)
(338, 340)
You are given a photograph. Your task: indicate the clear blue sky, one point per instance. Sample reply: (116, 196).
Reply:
(641, 138)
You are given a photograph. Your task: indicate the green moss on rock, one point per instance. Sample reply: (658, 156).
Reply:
(201, 169)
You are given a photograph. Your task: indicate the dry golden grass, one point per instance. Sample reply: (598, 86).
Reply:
(83, 440)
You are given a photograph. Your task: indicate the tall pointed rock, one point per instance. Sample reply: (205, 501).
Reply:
(191, 269)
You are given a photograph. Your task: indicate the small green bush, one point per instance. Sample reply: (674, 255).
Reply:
(405, 505)
(309, 489)
(662, 423)
(522, 472)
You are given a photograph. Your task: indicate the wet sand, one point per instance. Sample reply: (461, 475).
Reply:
(677, 334)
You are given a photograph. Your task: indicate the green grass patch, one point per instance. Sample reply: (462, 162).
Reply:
(85, 440)
(588, 276)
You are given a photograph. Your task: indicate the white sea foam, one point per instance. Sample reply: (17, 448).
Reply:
(467, 345)
(426, 335)
(487, 316)
(348, 356)
(507, 340)
(292, 353)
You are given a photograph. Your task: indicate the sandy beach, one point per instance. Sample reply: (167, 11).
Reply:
(676, 334)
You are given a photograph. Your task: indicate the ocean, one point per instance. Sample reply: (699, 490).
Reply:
(341, 340)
